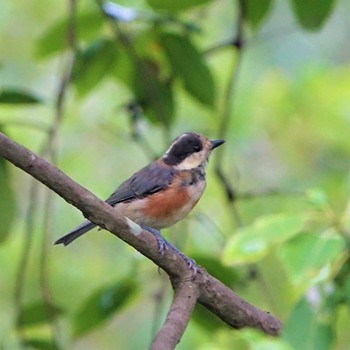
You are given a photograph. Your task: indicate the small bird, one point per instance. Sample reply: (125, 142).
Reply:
(163, 192)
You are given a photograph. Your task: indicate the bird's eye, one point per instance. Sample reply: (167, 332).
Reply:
(197, 148)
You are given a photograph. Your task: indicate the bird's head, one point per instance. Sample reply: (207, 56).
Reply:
(190, 150)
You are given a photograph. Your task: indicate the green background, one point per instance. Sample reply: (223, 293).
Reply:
(281, 99)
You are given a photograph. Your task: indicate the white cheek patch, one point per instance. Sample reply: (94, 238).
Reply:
(193, 161)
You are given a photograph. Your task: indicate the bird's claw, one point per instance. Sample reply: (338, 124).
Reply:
(190, 262)
(164, 245)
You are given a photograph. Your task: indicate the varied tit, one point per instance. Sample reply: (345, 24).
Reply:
(163, 192)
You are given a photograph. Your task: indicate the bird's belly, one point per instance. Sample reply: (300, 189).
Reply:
(164, 208)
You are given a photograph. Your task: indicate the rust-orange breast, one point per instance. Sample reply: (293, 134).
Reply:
(167, 207)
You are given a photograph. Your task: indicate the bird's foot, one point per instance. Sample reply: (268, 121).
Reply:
(162, 242)
(190, 262)
(164, 245)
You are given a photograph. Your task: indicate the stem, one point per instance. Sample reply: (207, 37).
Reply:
(225, 123)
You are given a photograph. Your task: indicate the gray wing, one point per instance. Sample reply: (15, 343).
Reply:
(150, 179)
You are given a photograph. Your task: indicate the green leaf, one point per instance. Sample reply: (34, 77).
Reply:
(124, 69)
(55, 38)
(305, 329)
(40, 344)
(255, 11)
(92, 64)
(311, 14)
(101, 305)
(37, 312)
(253, 242)
(317, 198)
(178, 5)
(188, 64)
(153, 94)
(309, 255)
(142, 76)
(7, 201)
(14, 96)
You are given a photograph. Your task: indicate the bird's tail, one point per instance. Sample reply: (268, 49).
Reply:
(77, 232)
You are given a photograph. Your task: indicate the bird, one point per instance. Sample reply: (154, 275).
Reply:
(163, 192)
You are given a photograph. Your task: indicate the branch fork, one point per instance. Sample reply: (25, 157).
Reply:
(188, 288)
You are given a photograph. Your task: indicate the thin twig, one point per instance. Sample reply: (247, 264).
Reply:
(144, 71)
(24, 257)
(225, 122)
(226, 43)
(51, 150)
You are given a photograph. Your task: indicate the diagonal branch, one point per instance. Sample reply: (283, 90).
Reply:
(213, 294)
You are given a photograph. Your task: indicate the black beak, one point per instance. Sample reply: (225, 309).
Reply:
(216, 143)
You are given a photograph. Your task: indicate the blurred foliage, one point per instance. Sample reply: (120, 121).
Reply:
(17, 97)
(103, 88)
(252, 243)
(7, 203)
(101, 305)
(312, 14)
(36, 313)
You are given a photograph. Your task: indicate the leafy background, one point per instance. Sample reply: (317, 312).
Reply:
(102, 95)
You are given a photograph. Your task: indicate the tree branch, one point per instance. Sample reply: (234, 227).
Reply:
(214, 295)
(185, 299)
